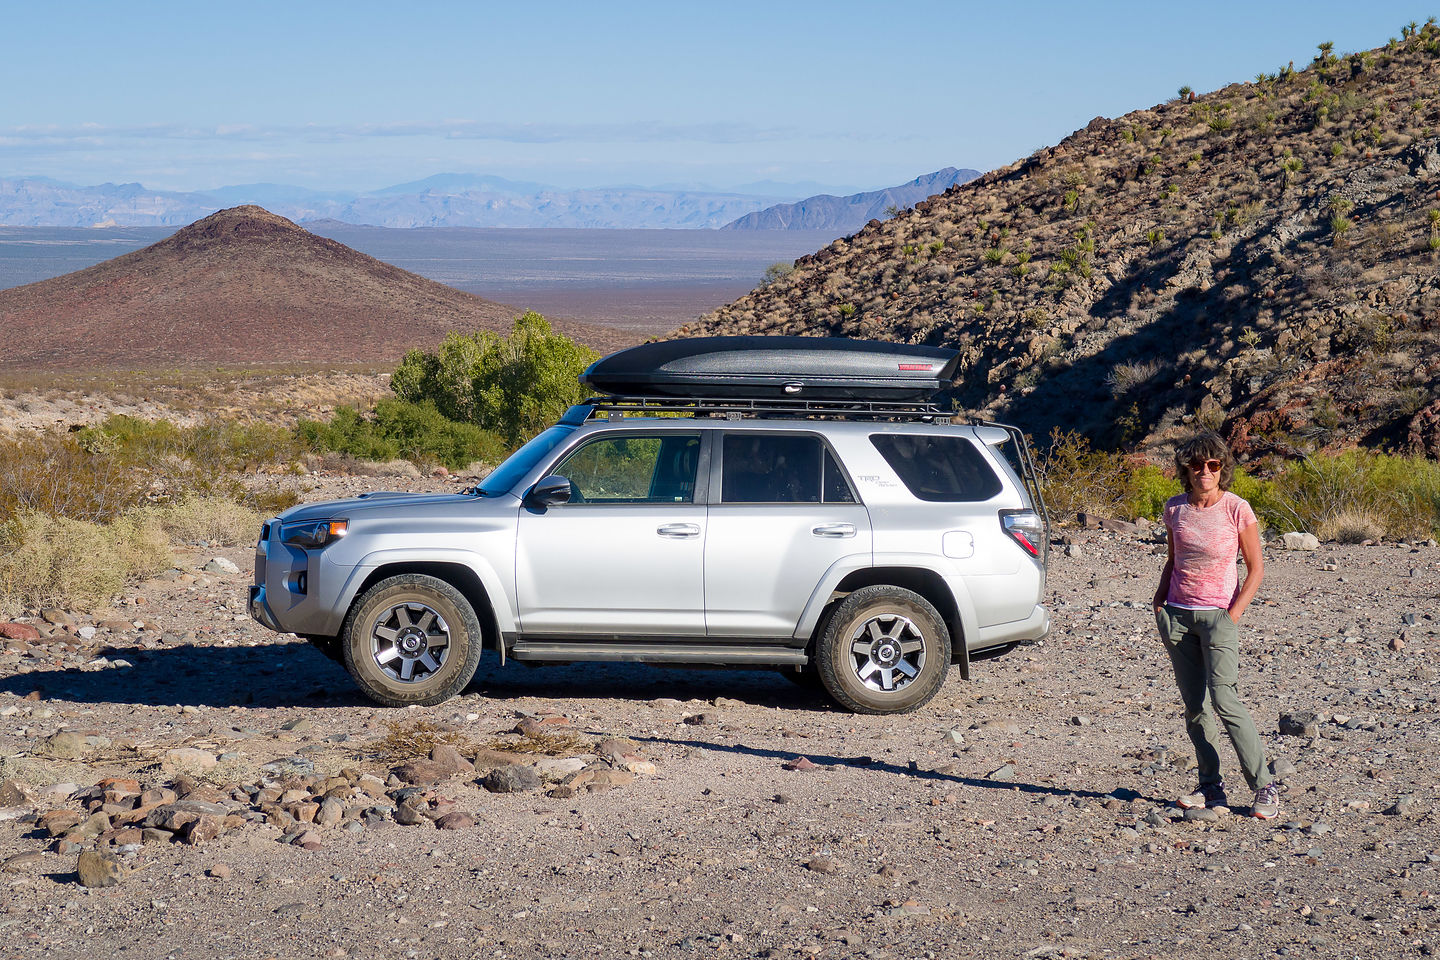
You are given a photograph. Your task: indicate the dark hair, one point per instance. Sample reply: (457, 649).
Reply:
(1205, 446)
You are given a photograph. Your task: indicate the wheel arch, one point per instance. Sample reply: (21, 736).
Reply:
(459, 576)
(924, 581)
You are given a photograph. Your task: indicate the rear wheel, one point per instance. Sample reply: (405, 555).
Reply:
(885, 650)
(411, 639)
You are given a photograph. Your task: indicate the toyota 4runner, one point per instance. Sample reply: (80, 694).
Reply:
(866, 543)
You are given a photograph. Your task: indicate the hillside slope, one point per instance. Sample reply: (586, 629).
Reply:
(241, 286)
(848, 214)
(1262, 258)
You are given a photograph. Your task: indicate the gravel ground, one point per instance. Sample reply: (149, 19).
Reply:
(1024, 813)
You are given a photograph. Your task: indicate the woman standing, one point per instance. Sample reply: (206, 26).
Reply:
(1198, 607)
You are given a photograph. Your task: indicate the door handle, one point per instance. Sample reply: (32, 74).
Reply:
(679, 531)
(834, 530)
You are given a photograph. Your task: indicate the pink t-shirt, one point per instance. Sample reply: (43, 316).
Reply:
(1207, 540)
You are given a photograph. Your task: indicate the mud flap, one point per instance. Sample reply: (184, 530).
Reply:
(959, 650)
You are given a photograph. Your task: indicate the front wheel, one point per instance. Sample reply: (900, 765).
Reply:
(411, 639)
(885, 650)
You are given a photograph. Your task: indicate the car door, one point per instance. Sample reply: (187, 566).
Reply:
(786, 513)
(625, 556)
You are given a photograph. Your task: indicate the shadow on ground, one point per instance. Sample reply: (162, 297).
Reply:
(295, 674)
(871, 764)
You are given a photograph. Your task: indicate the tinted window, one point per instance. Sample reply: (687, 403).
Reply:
(648, 469)
(776, 468)
(938, 468)
(837, 488)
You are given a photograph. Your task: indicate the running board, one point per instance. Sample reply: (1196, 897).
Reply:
(729, 653)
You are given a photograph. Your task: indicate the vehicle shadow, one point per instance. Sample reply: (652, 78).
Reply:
(882, 766)
(290, 674)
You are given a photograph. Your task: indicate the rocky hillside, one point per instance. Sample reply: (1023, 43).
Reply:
(246, 287)
(848, 214)
(1262, 258)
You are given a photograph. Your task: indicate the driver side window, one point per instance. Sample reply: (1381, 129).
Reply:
(633, 469)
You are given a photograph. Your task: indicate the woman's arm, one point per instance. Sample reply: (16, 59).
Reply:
(1254, 571)
(1162, 592)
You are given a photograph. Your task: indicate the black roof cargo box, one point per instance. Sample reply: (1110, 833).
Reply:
(761, 368)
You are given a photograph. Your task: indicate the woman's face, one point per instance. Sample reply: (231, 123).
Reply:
(1204, 475)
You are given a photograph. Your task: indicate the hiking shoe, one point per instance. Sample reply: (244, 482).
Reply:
(1267, 802)
(1207, 795)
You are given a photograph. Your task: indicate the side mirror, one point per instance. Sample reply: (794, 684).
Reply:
(548, 492)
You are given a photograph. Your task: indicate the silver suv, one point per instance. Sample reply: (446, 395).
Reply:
(865, 545)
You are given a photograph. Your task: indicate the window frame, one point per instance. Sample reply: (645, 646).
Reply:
(717, 480)
(700, 496)
(976, 448)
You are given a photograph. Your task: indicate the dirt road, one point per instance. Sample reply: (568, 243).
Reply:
(1022, 814)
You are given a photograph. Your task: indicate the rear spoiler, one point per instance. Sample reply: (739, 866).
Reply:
(1025, 465)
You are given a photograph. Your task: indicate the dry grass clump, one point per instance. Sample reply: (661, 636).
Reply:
(1351, 526)
(47, 560)
(407, 740)
(547, 744)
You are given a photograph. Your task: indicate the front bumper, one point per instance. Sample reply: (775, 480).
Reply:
(260, 610)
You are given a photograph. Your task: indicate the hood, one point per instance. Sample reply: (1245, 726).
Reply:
(371, 502)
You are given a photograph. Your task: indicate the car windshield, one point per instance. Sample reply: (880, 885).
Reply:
(522, 461)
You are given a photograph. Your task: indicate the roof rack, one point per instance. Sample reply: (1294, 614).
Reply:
(739, 408)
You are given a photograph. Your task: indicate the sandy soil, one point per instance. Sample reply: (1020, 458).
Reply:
(1021, 814)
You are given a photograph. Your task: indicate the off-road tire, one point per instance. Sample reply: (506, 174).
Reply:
(872, 632)
(421, 596)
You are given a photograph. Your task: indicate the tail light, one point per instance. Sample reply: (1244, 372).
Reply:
(1026, 528)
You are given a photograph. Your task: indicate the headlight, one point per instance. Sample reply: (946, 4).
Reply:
(312, 534)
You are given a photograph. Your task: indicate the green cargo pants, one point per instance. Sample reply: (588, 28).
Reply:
(1204, 648)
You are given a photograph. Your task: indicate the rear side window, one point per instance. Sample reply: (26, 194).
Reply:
(943, 469)
(780, 468)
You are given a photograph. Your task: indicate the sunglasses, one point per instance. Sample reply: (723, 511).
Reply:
(1211, 466)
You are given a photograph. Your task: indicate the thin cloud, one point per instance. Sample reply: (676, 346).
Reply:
(641, 131)
(94, 135)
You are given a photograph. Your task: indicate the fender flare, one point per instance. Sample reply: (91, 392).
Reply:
(963, 603)
(495, 593)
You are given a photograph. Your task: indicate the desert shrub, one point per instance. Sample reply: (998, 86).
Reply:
(514, 386)
(776, 271)
(1078, 479)
(46, 559)
(1150, 488)
(400, 428)
(53, 473)
(224, 446)
(217, 520)
(1355, 490)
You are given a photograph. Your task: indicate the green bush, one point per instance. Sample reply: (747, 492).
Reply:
(1077, 479)
(1150, 488)
(1333, 493)
(216, 445)
(399, 428)
(514, 386)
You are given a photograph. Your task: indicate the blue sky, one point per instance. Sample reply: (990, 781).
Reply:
(357, 95)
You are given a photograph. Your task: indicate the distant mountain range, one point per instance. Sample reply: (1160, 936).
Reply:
(445, 200)
(845, 215)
